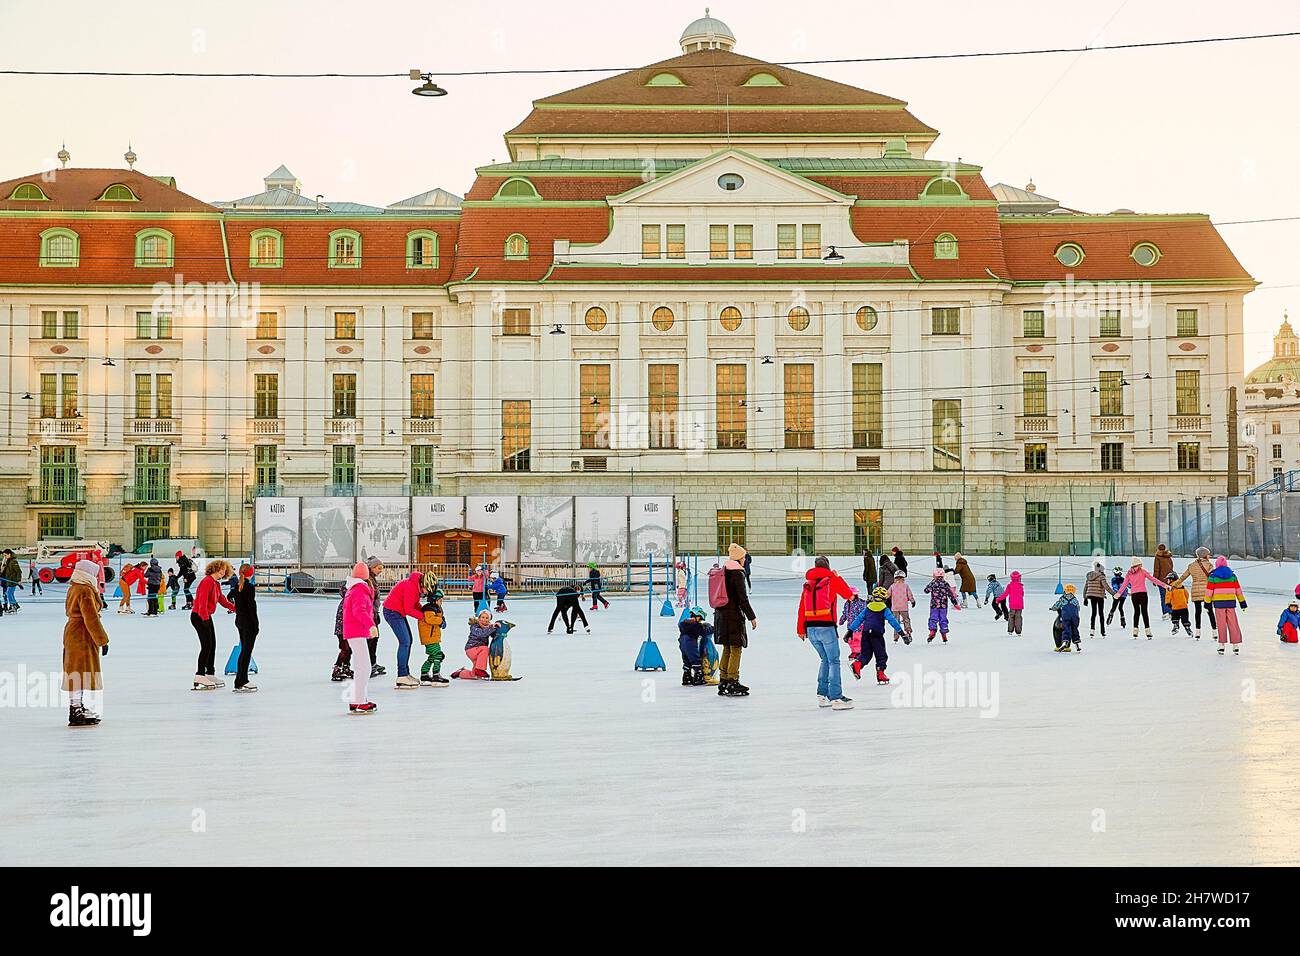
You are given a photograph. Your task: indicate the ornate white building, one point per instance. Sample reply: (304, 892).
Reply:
(713, 277)
(1272, 409)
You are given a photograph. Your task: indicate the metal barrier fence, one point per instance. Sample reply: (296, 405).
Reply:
(1258, 525)
(520, 577)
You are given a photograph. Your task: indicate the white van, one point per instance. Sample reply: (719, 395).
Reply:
(166, 548)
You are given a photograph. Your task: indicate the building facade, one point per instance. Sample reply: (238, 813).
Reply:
(1272, 410)
(769, 302)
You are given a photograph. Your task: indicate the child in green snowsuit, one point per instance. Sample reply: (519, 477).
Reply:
(430, 627)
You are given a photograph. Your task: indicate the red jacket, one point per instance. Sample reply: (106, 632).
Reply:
(404, 598)
(131, 575)
(208, 596)
(817, 604)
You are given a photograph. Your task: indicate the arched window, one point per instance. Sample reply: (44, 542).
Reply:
(118, 193)
(516, 246)
(945, 246)
(153, 248)
(265, 249)
(422, 249)
(799, 318)
(60, 248)
(1069, 254)
(942, 187)
(1146, 254)
(595, 318)
(665, 79)
(867, 318)
(763, 79)
(662, 318)
(517, 188)
(345, 249)
(29, 192)
(730, 318)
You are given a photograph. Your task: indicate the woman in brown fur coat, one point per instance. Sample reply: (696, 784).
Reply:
(84, 641)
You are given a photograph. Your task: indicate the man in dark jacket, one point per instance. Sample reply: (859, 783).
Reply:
(11, 573)
(185, 570)
(153, 577)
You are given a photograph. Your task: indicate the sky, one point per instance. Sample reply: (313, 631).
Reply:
(1209, 129)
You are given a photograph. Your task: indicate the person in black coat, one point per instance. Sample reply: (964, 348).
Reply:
(185, 569)
(568, 607)
(244, 594)
(869, 568)
(729, 623)
(900, 559)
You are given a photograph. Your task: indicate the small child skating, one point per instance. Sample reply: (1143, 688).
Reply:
(682, 581)
(1067, 608)
(481, 631)
(173, 586)
(852, 608)
(870, 623)
(942, 597)
(497, 586)
(993, 596)
(901, 599)
(1014, 600)
(1288, 625)
(430, 625)
(1176, 601)
(695, 638)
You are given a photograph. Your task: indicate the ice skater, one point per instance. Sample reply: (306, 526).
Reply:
(247, 625)
(694, 639)
(1096, 588)
(358, 626)
(153, 579)
(1014, 596)
(406, 600)
(1199, 571)
(1067, 610)
(1176, 601)
(596, 584)
(130, 576)
(941, 597)
(35, 577)
(966, 580)
(1135, 587)
(568, 608)
(430, 627)
(853, 636)
(173, 586)
(870, 622)
(993, 597)
(11, 576)
(1225, 595)
(901, 600)
(482, 630)
(84, 642)
(497, 586)
(682, 581)
(478, 585)
(206, 599)
(185, 568)
(1288, 625)
(1116, 601)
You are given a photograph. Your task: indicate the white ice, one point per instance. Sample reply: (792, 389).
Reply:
(1133, 752)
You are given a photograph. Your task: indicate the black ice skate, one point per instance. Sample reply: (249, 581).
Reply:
(377, 670)
(78, 716)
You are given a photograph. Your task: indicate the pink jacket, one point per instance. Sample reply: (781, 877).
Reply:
(1014, 595)
(900, 596)
(358, 609)
(1135, 582)
(404, 598)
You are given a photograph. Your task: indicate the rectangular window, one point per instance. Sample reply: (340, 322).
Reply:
(945, 321)
(947, 530)
(800, 532)
(516, 321)
(730, 389)
(1036, 456)
(516, 435)
(744, 242)
(144, 396)
(946, 426)
(593, 393)
(1032, 324)
(163, 386)
(1189, 456)
(1112, 456)
(72, 323)
(868, 530)
(1188, 322)
(1187, 392)
(1109, 324)
(70, 394)
(649, 241)
(151, 527)
(787, 241)
(1111, 386)
(59, 476)
(345, 325)
(56, 525)
(868, 412)
(1034, 392)
(345, 395)
(718, 242)
(49, 395)
(266, 395)
(153, 473)
(663, 381)
(423, 252)
(49, 325)
(1277, 451)
(676, 240)
(799, 428)
(731, 527)
(1036, 523)
(812, 241)
(268, 325)
(265, 465)
(422, 395)
(151, 325)
(421, 325)
(424, 470)
(343, 468)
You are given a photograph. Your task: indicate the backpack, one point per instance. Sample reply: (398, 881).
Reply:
(718, 588)
(810, 612)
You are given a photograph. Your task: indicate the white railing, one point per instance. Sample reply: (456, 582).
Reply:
(266, 427)
(152, 427)
(423, 426)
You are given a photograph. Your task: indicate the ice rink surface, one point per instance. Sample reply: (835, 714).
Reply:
(1133, 752)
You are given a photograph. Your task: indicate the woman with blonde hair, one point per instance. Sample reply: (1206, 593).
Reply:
(206, 599)
(405, 600)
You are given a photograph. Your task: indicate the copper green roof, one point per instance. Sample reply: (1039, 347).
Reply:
(1275, 369)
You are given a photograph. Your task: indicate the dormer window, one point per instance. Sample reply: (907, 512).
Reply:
(422, 250)
(665, 79)
(345, 249)
(942, 188)
(265, 249)
(118, 193)
(1069, 254)
(29, 192)
(517, 189)
(1145, 254)
(60, 248)
(763, 79)
(153, 248)
(945, 246)
(516, 247)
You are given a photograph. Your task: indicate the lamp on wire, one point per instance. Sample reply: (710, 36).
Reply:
(108, 363)
(558, 330)
(832, 256)
(428, 87)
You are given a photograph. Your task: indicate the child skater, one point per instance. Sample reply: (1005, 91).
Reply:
(682, 580)
(358, 628)
(481, 631)
(596, 584)
(173, 586)
(246, 624)
(1224, 591)
(993, 596)
(1135, 586)
(941, 596)
(695, 636)
(497, 585)
(1176, 601)
(852, 608)
(1117, 599)
(430, 626)
(1288, 625)
(870, 622)
(1067, 606)
(901, 599)
(1014, 599)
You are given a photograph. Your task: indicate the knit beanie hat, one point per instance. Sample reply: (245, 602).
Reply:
(86, 566)
(735, 552)
(1220, 562)
(359, 570)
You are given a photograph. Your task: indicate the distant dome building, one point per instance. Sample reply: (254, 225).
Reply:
(707, 33)
(1272, 408)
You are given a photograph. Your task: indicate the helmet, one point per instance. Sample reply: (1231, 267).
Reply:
(899, 575)
(1069, 589)
(880, 593)
(1117, 569)
(993, 577)
(1171, 576)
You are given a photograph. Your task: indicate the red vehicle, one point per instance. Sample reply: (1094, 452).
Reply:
(67, 560)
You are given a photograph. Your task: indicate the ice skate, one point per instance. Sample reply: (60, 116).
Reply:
(1220, 650)
(407, 683)
(1198, 634)
(739, 689)
(203, 683)
(1078, 648)
(843, 703)
(340, 673)
(246, 689)
(1091, 635)
(78, 716)
(823, 700)
(857, 670)
(881, 678)
(437, 680)
(930, 638)
(360, 710)
(1148, 635)
(1236, 650)
(1135, 633)
(377, 670)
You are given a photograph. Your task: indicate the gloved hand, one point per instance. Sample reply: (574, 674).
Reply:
(103, 651)
(1243, 605)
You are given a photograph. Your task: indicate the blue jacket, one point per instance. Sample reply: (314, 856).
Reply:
(873, 618)
(1067, 605)
(1288, 617)
(498, 587)
(993, 591)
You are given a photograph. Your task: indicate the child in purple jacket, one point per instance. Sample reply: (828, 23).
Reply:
(941, 596)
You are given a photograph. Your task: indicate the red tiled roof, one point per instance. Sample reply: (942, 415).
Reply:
(559, 188)
(898, 187)
(717, 122)
(484, 230)
(975, 228)
(815, 272)
(79, 190)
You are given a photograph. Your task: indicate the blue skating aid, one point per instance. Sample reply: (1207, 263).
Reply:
(649, 658)
(686, 613)
(667, 609)
(1060, 586)
(232, 663)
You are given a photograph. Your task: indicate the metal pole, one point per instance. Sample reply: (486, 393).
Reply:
(225, 512)
(1234, 476)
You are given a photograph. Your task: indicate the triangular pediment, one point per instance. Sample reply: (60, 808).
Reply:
(761, 184)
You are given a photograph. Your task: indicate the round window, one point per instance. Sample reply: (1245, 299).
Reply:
(595, 318)
(730, 318)
(799, 318)
(1069, 255)
(1145, 254)
(867, 318)
(662, 318)
(731, 181)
